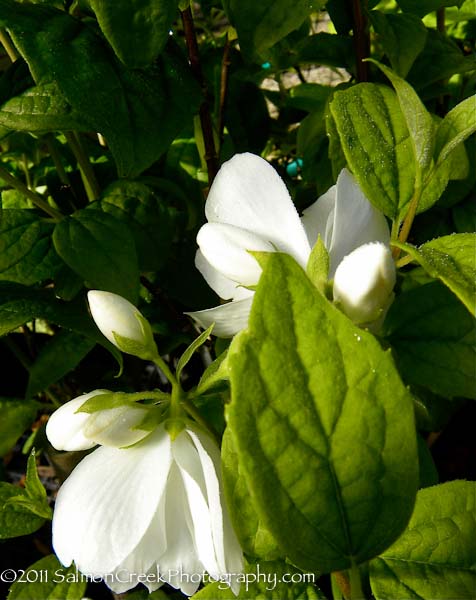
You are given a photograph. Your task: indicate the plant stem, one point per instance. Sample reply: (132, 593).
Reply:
(361, 39)
(356, 592)
(440, 20)
(211, 157)
(8, 45)
(410, 216)
(342, 580)
(33, 196)
(191, 409)
(224, 76)
(87, 174)
(164, 367)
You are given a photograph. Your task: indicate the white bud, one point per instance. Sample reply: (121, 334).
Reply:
(364, 281)
(121, 323)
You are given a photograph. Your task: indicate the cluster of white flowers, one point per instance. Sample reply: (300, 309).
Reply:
(150, 502)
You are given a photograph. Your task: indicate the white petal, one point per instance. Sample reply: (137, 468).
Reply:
(364, 282)
(318, 219)
(228, 318)
(224, 287)
(113, 313)
(248, 193)
(115, 426)
(65, 427)
(226, 247)
(356, 221)
(108, 502)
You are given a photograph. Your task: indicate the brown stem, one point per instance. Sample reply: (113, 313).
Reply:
(343, 582)
(361, 39)
(440, 20)
(300, 74)
(211, 157)
(224, 76)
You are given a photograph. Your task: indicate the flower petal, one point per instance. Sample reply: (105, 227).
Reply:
(108, 502)
(248, 193)
(221, 285)
(318, 219)
(115, 426)
(65, 427)
(356, 221)
(228, 318)
(226, 247)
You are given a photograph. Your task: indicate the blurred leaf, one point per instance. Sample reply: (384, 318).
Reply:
(16, 416)
(428, 472)
(27, 254)
(136, 29)
(434, 558)
(101, 249)
(422, 7)
(326, 49)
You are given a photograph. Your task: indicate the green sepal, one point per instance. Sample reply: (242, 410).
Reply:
(147, 350)
(195, 345)
(318, 265)
(174, 427)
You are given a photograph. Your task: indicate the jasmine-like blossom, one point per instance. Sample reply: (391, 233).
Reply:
(149, 513)
(249, 208)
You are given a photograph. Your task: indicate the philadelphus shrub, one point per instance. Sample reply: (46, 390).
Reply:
(249, 209)
(146, 507)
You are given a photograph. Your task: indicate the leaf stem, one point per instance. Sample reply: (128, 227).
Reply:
(342, 580)
(90, 182)
(224, 76)
(211, 157)
(440, 20)
(164, 367)
(33, 196)
(410, 216)
(361, 39)
(8, 45)
(356, 592)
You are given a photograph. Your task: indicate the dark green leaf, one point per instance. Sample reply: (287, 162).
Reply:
(402, 36)
(428, 471)
(434, 338)
(47, 579)
(322, 424)
(59, 356)
(26, 250)
(101, 249)
(16, 416)
(452, 259)
(374, 138)
(137, 29)
(326, 49)
(423, 7)
(434, 558)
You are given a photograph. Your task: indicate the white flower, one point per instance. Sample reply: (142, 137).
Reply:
(151, 513)
(68, 429)
(249, 208)
(121, 323)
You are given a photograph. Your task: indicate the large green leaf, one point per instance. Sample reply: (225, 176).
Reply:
(322, 424)
(139, 111)
(59, 356)
(101, 249)
(27, 254)
(47, 579)
(452, 259)
(260, 25)
(149, 218)
(402, 37)
(15, 416)
(266, 580)
(137, 29)
(434, 338)
(376, 143)
(434, 558)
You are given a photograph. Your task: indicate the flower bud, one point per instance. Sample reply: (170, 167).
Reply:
(122, 323)
(364, 281)
(68, 429)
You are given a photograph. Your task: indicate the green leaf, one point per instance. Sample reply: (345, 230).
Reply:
(322, 424)
(138, 111)
(27, 254)
(47, 579)
(418, 119)
(215, 375)
(195, 345)
(57, 358)
(41, 108)
(434, 338)
(149, 218)
(402, 37)
(15, 519)
(34, 500)
(423, 7)
(136, 29)
(434, 558)
(101, 249)
(326, 49)
(16, 416)
(266, 580)
(260, 25)
(456, 127)
(427, 468)
(374, 138)
(255, 539)
(318, 265)
(452, 259)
